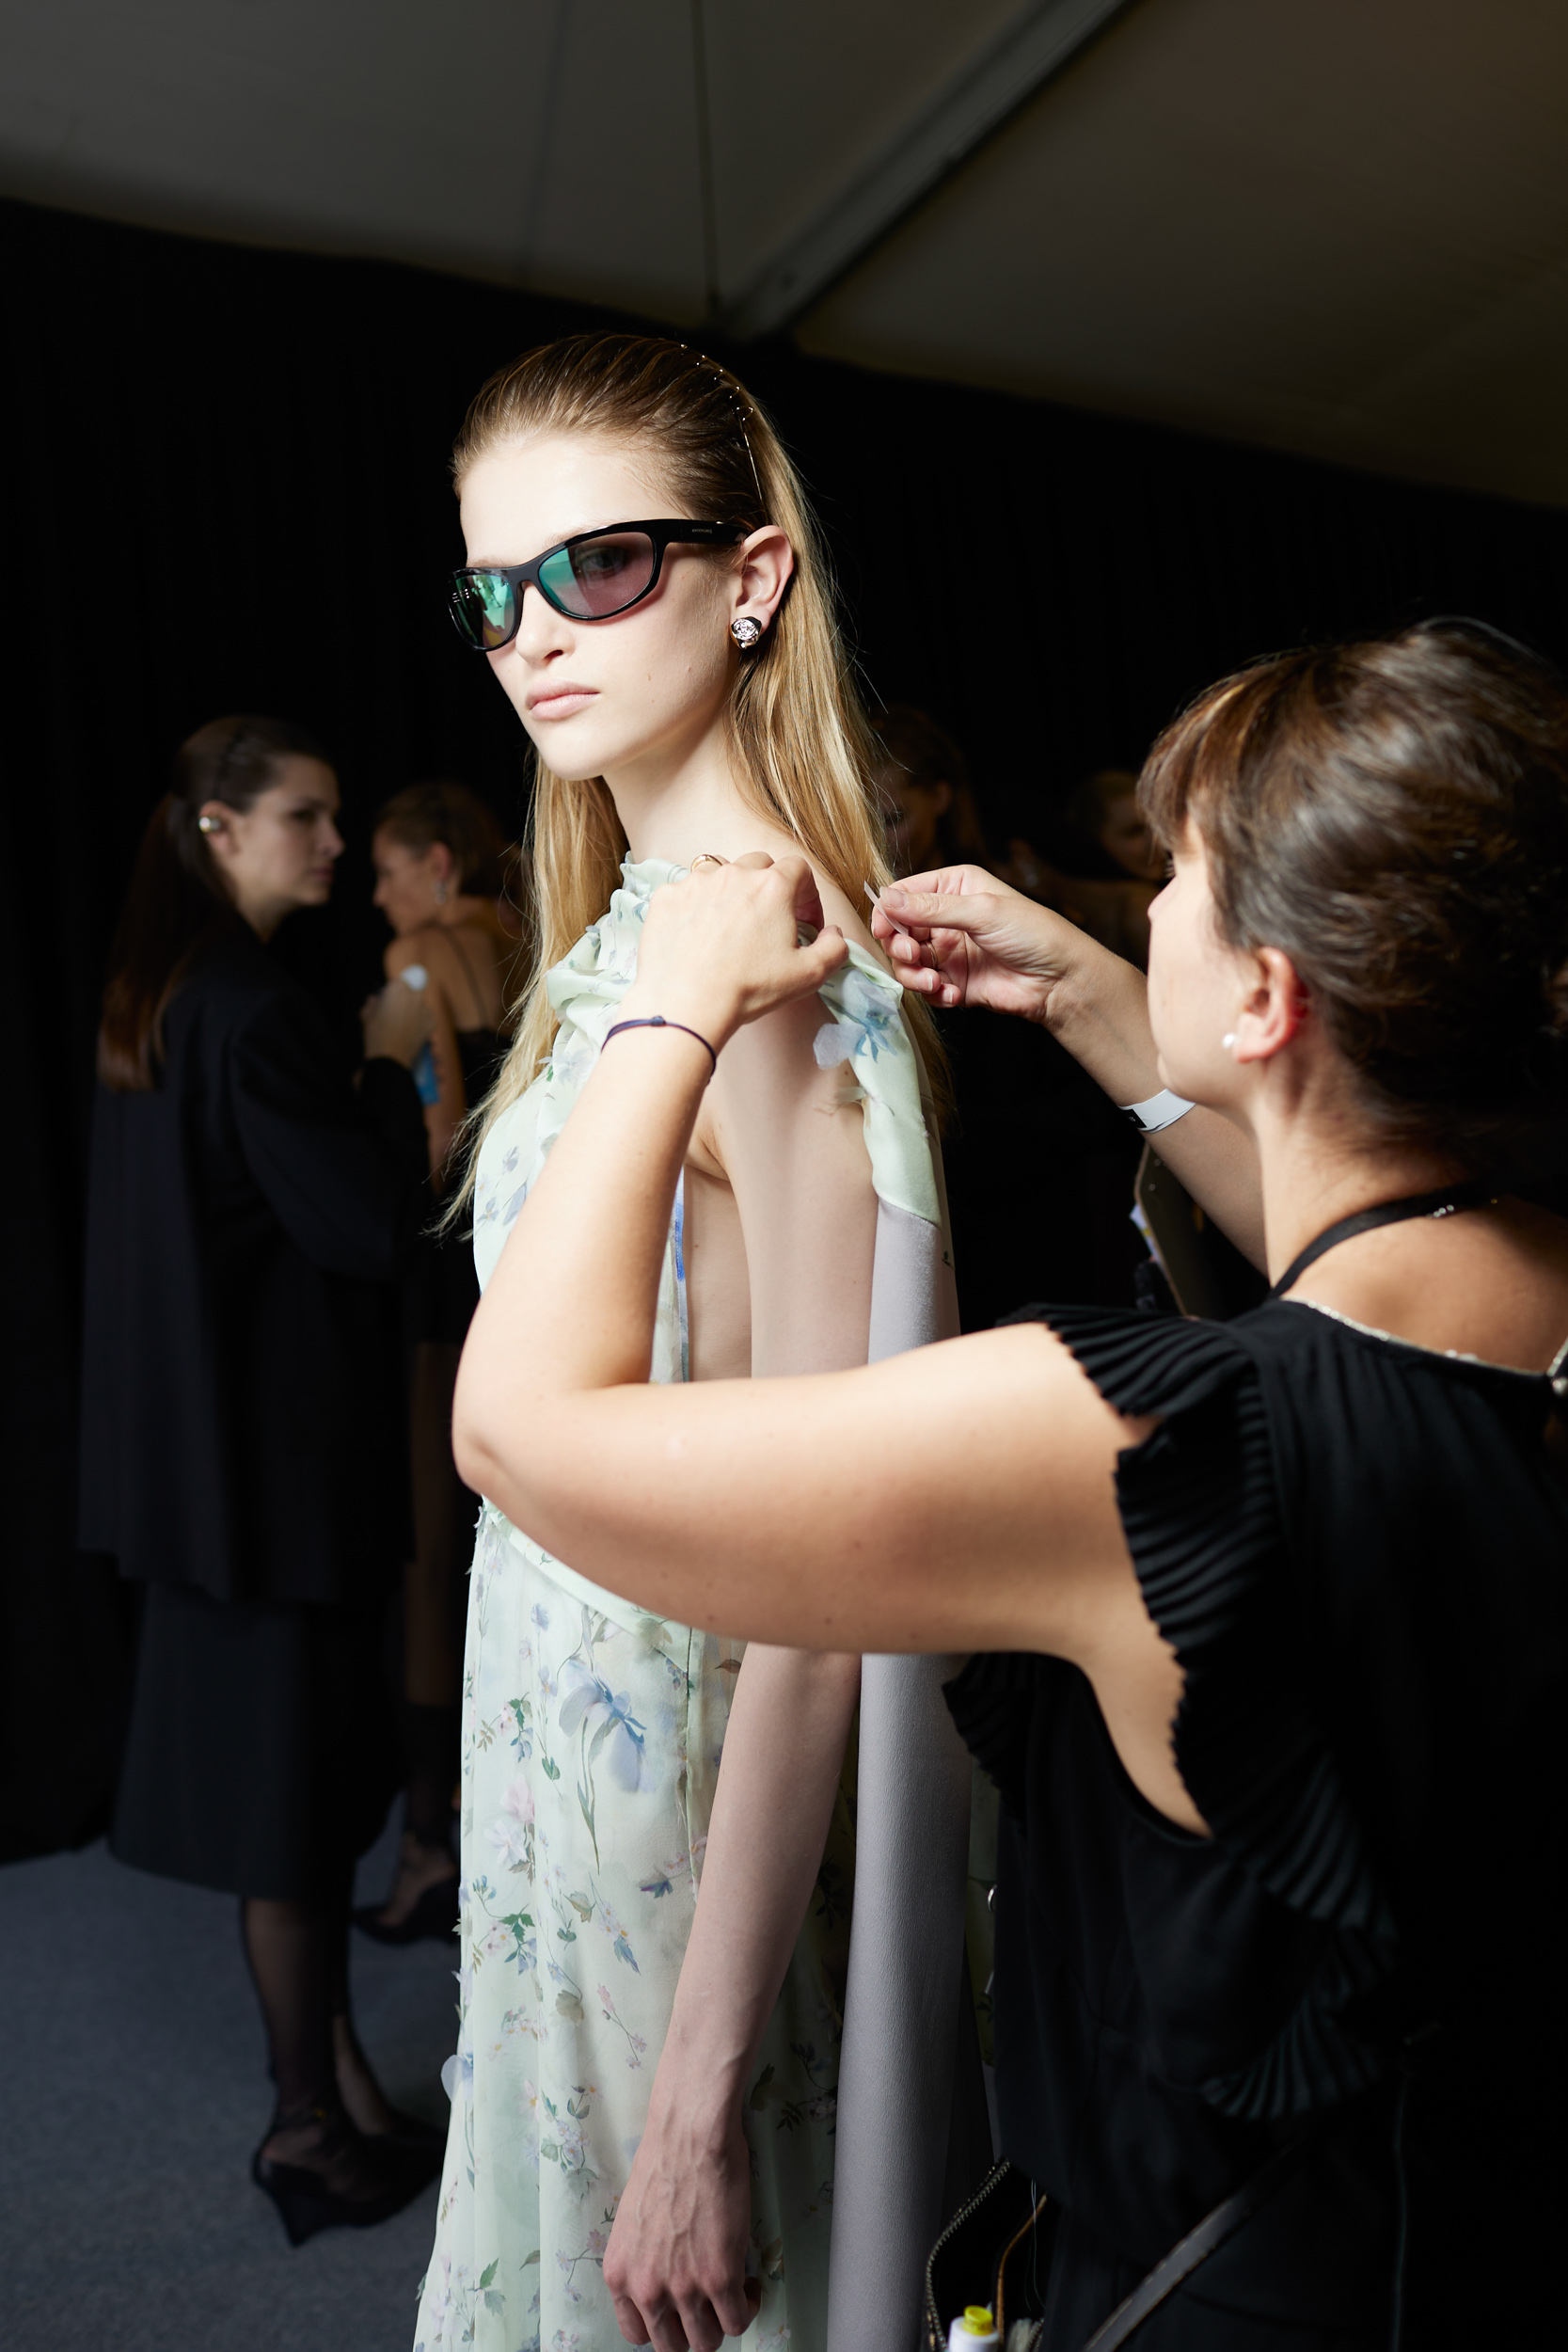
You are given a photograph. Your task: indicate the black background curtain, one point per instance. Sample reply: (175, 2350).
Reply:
(228, 490)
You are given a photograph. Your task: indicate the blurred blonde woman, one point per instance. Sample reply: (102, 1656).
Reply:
(673, 2064)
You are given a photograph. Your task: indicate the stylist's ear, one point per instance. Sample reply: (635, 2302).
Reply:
(1275, 1009)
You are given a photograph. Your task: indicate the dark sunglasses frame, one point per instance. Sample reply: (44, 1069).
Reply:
(672, 532)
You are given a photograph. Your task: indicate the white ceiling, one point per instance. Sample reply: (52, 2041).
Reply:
(1340, 228)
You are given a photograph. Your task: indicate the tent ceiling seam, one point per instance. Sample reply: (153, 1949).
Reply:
(969, 109)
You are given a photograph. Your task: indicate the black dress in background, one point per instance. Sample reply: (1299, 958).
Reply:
(244, 1433)
(1357, 1547)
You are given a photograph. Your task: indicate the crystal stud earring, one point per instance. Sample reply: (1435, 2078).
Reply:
(746, 632)
(209, 825)
(1229, 1040)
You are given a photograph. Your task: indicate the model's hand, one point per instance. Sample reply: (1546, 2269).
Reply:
(721, 947)
(396, 1023)
(675, 2264)
(958, 937)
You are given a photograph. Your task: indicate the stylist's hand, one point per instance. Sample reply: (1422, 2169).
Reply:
(675, 2264)
(958, 936)
(721, 947)
(396, 1023)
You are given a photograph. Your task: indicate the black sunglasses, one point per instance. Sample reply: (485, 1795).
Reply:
(591, 577)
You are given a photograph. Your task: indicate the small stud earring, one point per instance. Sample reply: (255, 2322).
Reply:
(209, 825)
(1229, 1040)
(746, 632)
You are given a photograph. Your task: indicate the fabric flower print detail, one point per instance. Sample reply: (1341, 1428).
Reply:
(592, 1706)
(866, 1024)
(512, 1831)
(620, 1941)
(636, 2047)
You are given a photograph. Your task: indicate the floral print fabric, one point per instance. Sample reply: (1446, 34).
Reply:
(591, 1735)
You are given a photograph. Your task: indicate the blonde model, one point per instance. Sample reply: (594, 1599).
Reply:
(676, 2060)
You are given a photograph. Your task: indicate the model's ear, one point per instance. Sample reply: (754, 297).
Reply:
(941, 798)
(1275, 1007)
(767, 560)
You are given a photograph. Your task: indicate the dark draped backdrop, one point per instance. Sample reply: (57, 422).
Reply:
(228, 489)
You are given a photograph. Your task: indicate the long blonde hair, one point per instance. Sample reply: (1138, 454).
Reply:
(804, 751)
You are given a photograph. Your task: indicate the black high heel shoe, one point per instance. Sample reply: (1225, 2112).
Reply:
(381, 2177)
(435, 1914)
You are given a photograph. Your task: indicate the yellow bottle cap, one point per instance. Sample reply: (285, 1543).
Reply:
(978, 2321)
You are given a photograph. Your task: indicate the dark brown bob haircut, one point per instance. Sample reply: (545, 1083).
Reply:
(1393, 815)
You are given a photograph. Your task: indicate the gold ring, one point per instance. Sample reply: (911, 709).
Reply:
(706, 857)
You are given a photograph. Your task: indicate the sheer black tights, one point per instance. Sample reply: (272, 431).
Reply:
(298, 1960)
(299, 1956)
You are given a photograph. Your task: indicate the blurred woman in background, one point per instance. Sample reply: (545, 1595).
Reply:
(440, 861)
(924, 785)
(1110, 869)
(242, 1450)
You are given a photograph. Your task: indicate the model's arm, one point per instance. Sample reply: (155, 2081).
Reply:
(679, 2244)
(793, 1150)
(958, 937)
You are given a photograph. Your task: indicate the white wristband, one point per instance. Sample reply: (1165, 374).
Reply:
(1161, 1111)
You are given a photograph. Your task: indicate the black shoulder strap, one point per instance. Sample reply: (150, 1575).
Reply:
(1200, 2243)
(1475, 1195)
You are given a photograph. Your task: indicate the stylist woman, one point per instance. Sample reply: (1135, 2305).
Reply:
(242, 1443)
(1268, 1616)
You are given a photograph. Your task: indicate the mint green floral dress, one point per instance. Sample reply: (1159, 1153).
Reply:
(591, 1736)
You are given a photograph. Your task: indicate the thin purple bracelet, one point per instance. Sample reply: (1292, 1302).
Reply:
(656, 1021)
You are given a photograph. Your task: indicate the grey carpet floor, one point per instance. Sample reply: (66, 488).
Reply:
(131, 2093)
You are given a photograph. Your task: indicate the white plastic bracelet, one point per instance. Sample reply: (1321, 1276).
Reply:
(1161, 1111)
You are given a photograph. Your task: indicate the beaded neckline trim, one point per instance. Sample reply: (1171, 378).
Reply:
(1554, 1372)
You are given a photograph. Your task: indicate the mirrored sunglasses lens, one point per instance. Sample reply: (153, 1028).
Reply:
(485, 607)
(601, 576)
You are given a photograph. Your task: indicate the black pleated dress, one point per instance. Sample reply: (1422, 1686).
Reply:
(1358, 1549)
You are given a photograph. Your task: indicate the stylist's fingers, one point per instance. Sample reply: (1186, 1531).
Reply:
(930, 910)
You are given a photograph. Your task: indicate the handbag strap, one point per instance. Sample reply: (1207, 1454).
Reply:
(1198, 2244)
